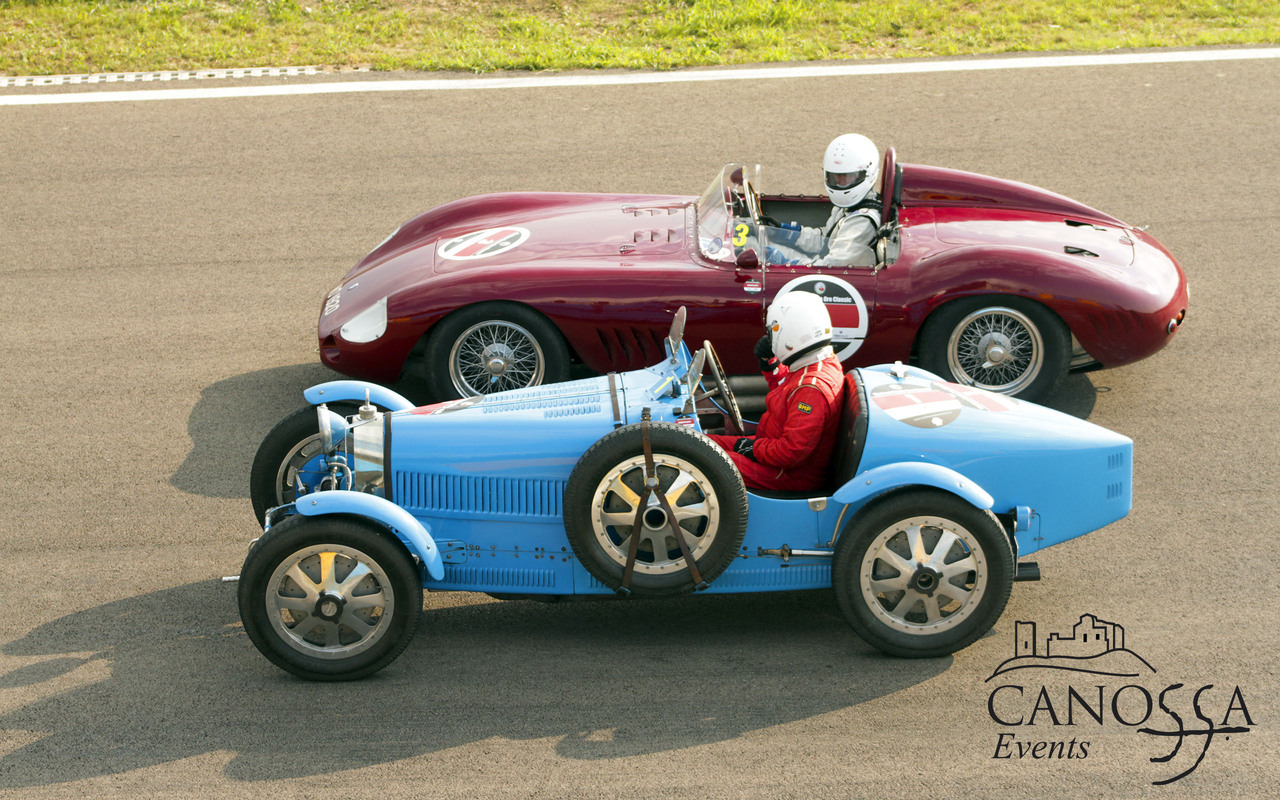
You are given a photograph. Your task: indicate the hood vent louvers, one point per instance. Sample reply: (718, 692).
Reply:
(1079, 251)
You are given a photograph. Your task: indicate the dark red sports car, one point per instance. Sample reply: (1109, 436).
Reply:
(983, 281)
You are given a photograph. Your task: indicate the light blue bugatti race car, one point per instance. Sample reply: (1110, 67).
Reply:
(607, 486)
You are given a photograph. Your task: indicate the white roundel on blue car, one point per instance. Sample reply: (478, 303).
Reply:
(849, 317)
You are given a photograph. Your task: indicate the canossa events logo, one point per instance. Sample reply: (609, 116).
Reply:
(1077, 686)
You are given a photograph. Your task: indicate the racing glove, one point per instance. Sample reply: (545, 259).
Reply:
(773, 255)
(785, 233)
(744, 447)
(764, 354)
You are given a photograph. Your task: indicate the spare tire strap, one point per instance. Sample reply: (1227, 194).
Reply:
(651, 487)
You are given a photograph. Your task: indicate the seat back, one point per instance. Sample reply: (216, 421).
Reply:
(852, 432)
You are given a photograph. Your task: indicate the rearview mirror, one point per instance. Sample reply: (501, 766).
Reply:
(748, 259)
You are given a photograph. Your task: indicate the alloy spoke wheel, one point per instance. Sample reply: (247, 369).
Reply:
(923, 575)
(302, 461)
(329, 601)
(689, 494)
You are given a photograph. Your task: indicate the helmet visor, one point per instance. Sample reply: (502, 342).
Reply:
(845, 180)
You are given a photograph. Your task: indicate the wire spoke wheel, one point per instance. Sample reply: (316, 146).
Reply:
(998, 349)
(495, 356)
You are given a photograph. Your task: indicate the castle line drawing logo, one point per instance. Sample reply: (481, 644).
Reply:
(1052, 711)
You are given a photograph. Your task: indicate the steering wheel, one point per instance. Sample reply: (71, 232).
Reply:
(753, 200)
(734, 416)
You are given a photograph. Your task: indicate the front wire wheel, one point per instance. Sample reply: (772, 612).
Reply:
(493, 347)
(923, 573)
(998, 349)
(494, 356)
(329, 599)
(1006, 345)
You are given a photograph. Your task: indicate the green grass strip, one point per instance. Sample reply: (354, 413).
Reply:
(47, 37)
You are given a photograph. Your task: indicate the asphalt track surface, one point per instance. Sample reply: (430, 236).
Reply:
(163, 264)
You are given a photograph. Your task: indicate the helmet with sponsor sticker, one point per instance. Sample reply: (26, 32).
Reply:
(799, 328)
(851, 166)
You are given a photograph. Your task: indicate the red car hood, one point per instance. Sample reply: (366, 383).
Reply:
(531, 227)
(940, 187)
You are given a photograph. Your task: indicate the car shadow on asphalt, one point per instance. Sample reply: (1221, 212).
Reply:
(169, 675)
(233, 415)
(1076, 395)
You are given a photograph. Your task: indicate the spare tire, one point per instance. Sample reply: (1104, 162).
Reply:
(701, 485)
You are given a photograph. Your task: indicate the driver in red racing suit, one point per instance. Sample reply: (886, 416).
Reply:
(793, 443)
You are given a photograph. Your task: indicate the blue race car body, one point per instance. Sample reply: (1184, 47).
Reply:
(935, 491)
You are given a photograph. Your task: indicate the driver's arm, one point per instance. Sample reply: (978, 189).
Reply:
(806, 415)
(851, 244)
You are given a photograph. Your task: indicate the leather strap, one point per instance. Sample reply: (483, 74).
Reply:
(642, 505)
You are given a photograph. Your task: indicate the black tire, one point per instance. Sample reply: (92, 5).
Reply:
(370, 622)
(290, 444)
(1027, 345)
(461, 345)
(711, 506)
(889, 605)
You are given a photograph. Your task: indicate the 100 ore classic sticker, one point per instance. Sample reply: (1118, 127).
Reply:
(844, 303)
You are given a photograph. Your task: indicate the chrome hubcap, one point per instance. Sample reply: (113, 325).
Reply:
(497, 358)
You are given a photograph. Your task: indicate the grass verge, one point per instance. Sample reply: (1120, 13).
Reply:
(46, 37)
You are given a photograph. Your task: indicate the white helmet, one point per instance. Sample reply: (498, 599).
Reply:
(799, 328)
(851, 164)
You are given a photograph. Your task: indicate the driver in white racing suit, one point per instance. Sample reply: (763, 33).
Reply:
(851, 166)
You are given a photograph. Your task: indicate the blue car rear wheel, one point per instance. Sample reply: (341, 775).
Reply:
(922, 573)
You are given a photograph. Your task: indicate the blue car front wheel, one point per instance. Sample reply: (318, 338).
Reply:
(329, 598)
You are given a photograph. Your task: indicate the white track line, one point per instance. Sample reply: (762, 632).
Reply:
(632, 78)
